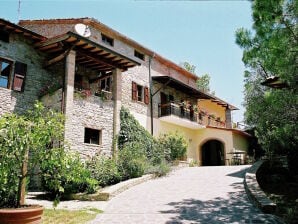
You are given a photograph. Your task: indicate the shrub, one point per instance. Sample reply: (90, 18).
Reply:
(63, 172)
(174, 146)
(160, 169)
(104, 170)
(132, 131)
(131, 161)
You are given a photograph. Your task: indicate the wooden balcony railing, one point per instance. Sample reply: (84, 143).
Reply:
(200, 117)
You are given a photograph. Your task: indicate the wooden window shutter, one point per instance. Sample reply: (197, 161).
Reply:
(134, 91)
(19, 76)
(146, 95)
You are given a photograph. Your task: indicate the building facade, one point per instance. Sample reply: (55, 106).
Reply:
(90, 76)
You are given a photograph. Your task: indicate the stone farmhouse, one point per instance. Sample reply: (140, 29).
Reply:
(88, 71)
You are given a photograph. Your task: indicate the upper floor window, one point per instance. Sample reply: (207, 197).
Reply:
(139, 55)
(107, 40)
(5, 71)
(20, 70)
(4, 36)
(106, 84)
(140, 93)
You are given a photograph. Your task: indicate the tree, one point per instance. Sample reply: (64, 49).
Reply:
(203, 81)
(20, 136)
(271, 50)
(188, 67)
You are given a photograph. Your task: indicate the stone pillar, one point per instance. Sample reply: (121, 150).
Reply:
(228, 117)
(70, 63)
(117, 95)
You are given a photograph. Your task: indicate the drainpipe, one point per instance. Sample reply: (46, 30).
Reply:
(151, 95)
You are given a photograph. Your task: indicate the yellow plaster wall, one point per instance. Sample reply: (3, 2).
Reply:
(212, 107)
(196, 138)
(240, 142)
(162, 127)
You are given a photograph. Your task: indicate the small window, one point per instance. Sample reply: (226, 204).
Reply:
(5, 71)
(107, 40)
(4, 36)
(139, 55)
(92, 136)
(106, 84)
(140, 93)
(20, 71)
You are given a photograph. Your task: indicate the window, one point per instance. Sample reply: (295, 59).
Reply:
(139, 55)
(4, 36)
(106, 84)
(19, 76)
(5, 71)
(78, 83)
(92, 136)
(140, 93)
(107, 40)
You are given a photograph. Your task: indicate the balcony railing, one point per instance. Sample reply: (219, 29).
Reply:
(199, 117)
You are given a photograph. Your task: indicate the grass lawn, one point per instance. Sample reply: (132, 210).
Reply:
(57, 216)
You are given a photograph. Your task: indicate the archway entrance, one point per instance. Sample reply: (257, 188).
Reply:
(213, 153)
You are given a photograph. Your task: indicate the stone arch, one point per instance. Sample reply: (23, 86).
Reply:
(212, 152)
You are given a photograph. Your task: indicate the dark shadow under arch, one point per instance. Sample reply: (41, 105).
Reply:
(212, 153)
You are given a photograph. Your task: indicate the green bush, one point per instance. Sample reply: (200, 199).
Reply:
(131, 161)
(24, 140)
(104, 170)
(160, 169)
(64, 172)
(132, 131)
(174, 146)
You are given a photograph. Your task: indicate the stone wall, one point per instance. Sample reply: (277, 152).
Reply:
(139, 75)
(90, 113)
(21, 49)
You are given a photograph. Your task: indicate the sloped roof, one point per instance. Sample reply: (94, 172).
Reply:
(13, 28)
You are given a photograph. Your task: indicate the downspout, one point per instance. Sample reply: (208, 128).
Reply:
(151, 95)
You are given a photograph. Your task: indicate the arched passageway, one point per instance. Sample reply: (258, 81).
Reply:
(212, 153)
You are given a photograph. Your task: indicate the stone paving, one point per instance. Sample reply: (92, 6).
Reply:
(188, 195)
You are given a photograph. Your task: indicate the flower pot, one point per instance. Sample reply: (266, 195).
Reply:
(29, 214)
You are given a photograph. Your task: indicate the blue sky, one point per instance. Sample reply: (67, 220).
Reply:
(200, 32)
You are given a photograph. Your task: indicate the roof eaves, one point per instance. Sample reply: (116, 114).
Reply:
(15, 27)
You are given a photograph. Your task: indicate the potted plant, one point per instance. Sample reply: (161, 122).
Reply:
(24, 140)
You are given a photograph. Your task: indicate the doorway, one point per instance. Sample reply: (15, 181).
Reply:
(212, 153)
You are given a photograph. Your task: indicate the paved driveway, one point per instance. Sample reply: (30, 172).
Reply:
(189, 195)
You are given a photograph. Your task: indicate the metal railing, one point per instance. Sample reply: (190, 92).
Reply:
(199, 117)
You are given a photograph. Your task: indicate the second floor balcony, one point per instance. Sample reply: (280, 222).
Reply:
(182, 116)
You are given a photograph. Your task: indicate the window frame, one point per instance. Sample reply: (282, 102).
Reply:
(106, 83)
(139, 55)
(107, 40)
(89, 136)
(140, 93)
(9, 77)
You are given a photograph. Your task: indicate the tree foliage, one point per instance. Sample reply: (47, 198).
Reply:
(188, 67)
(203, 83)
(34, 132)
(270, 49)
